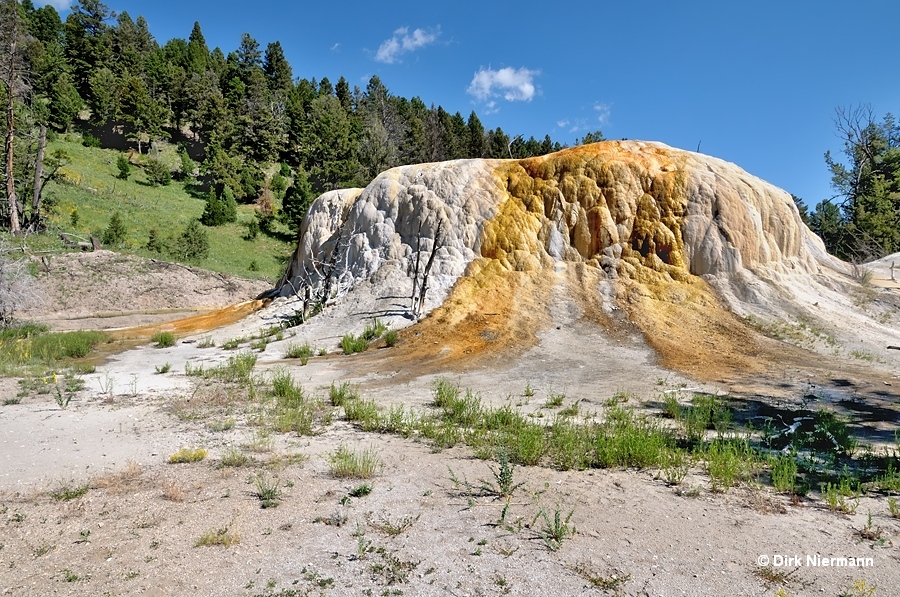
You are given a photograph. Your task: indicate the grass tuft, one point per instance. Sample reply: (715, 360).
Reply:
(346, 463)
(186, 455)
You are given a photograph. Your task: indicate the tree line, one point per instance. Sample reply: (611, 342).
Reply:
(246, 108)
(862, 221)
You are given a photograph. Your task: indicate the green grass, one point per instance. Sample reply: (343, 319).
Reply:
(30, 346)
(163, 339)
(347, 463)
(299, 351)
(96, 193)
(351, 344)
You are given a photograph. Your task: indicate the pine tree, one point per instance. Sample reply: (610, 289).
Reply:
(297, 199)
(279, 75)
(115, 231)
(193, 242)
(214, 212)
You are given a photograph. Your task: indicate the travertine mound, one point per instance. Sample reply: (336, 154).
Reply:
(628, 207)
(629, 223)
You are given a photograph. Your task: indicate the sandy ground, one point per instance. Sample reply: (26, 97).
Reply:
(419, 532)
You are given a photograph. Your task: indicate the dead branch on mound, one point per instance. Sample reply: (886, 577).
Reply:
(17, 288)
(323, 281)
(420, 289)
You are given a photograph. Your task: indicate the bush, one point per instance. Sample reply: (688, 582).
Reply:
(89, 140)
(157, 172)
(115, 231)
(193, 243)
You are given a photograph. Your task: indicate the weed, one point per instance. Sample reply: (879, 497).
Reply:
(894, 507)
(555, 529)
(299, 351)
(233, 343)
(374, 331)
(529, 391)
(206, 342)
(390, 527)
(612, 582)
(351, 344)
(363, 464)
(360, 490)
(391, 569)
(503, 485)
(69, 491)
(860, 588)
(185, 455)
(339, 395)
(163, 368)
(784, 474)
(726, 463)
(836, 497)
(870, 532)
(572, 410)
(221, 425)
(11, 401)
(773, 576)
(235, 458)
(69, 576)
(172, 491)
(676, 464)
(267, 491)
(221, 536)
(163, 339)
(391, 338)
(555, 400)
(259, 344)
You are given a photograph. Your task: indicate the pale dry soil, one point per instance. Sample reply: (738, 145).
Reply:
(425, 528)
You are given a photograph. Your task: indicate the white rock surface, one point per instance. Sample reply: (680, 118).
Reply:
(619, 206)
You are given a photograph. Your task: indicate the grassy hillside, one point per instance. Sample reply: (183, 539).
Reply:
(88, 187)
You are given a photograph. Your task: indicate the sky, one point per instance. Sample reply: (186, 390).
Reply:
(752, 82)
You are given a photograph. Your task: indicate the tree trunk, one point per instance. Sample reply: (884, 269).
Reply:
(10, 138)
(35, 220)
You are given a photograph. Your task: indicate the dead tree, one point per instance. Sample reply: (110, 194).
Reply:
(420, 289)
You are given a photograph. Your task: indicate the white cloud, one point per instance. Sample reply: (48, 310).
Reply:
(402, 42)
(336, 47)
(603, 112)
(562, 123)
(57, 4)
(513, 84)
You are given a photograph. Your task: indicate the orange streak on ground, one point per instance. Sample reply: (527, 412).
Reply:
(194, 324)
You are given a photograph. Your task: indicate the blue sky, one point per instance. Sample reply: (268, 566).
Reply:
(755, 83)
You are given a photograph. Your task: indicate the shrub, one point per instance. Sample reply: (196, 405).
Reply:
(89, 140)
(391, 338)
